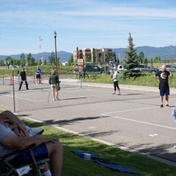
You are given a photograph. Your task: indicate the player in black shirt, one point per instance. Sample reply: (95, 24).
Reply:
(23, 77)
(162, 78)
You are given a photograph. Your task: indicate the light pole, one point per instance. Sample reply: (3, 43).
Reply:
(14, 109)
(55, 35)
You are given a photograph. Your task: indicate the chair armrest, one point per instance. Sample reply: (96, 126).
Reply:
(17, 151)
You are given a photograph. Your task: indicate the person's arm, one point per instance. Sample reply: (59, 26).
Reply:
(156, 77)
(15, 142)
(50, 80)
(114, 76)
(170, 73)
(9, 117)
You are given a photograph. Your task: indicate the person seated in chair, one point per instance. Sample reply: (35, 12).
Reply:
(45, 147)
(13, 122)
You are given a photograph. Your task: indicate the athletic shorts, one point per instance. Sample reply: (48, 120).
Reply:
(37, 76)
(164, 91)
(40, 152)
(55, 86)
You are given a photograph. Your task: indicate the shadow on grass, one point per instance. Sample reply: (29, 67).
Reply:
(73, 165)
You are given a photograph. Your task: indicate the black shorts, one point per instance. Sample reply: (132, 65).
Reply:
(37, 76)
(40, 152)
(164, 91)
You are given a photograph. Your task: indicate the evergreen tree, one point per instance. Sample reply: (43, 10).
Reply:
(131, 59)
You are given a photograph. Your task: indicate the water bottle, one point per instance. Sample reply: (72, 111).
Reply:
(85, 156)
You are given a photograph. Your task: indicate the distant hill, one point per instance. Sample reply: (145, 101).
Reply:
(167, 52)
(63, 55)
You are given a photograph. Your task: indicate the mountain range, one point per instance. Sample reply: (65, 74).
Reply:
(63, 55)
(168, 52)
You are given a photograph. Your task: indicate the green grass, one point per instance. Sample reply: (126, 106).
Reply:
(145, 80)
(67, 72)
(75, 166)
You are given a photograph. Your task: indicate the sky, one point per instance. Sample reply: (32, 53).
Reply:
(27, 26)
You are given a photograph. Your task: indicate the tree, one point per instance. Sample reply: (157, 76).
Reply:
(108, 57)
(145, 61)
(94, 56)
(40, 62)
(157, 59)
(141, 57)
(52, 58)
(70, 60)
(22, 60)
(9, 61)
(29, 58)
(131, 59)
(45, 62)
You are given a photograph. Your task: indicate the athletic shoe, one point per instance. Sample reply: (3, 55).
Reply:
(161, 105)
(167, 106)
(34, 131)
(113, 93)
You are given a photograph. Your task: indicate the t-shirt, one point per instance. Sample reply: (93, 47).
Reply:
(53, 79)
(38, 71)
(163, 78)
(115, 75)
(4, 131)
(23, 75)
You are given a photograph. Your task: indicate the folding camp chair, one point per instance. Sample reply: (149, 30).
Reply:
(33, 169)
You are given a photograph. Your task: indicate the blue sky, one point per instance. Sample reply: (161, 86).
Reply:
(84, 24)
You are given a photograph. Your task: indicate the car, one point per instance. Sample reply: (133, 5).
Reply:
(93, 69)
(146, 68)
(172, 68)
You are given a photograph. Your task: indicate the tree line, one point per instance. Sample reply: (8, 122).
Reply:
(28, 60)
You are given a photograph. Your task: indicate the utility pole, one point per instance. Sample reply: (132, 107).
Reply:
(40, 53)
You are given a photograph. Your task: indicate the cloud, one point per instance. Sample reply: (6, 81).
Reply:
(60, 12)
(86, 23)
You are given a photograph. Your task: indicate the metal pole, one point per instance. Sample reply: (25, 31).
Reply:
(13, 90)
(55, 35)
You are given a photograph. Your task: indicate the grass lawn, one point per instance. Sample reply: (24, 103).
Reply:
(73, 165)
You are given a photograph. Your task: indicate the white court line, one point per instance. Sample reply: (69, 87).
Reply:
(138, 121)
(17, 97)
(131, 110)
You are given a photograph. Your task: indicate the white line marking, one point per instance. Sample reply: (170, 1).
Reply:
(146, 123)
(17, 97)
(153, 135)
(131, 110)
(91, 127)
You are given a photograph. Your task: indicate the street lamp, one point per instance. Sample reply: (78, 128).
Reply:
(55, 35)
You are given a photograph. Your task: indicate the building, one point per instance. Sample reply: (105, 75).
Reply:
(93, 55)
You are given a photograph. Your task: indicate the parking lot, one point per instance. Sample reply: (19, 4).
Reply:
(133, 120)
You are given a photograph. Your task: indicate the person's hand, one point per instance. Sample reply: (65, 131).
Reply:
(22, 128)
(52, 140)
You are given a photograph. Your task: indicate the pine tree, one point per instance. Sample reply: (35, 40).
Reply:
(131, 59)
